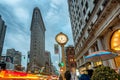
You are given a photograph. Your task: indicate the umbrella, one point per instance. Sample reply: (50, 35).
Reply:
(100, 56)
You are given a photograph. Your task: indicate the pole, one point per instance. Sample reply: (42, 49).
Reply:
(59, 57)
(62, 39)
(64, 61)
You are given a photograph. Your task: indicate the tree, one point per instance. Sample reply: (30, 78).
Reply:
(104, 73)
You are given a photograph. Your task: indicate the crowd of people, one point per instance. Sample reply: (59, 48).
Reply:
(84, 74)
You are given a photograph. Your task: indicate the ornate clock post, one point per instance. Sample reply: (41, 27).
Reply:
(62, 39)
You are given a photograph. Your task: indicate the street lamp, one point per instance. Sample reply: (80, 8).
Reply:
(62, 39)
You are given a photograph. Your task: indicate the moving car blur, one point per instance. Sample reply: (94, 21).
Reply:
(18, 75)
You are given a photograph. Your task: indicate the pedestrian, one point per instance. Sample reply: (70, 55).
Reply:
(60, 77)
(68, 75)
(90, 72)
(73, 74)
(84, 75)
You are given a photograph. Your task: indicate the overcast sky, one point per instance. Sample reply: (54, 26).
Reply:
(17, 15)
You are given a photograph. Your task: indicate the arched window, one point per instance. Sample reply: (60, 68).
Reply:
(115, 40)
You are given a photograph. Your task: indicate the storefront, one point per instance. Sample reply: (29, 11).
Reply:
(115, 46)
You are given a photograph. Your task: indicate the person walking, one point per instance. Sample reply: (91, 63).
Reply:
(60, 77)
(84, 75)
(73, 74)
(67, 75)
(90, 72)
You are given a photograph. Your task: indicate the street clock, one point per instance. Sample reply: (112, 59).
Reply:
(61, 38)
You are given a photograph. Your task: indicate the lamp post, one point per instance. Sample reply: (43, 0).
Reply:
(62, 39)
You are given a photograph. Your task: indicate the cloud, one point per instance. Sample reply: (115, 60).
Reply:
(53, 6)
(18, 41)
(21, 14)
(58, 2)
(11, 2)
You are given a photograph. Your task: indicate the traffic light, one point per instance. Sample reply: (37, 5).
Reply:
(61, 64)
(61, 69)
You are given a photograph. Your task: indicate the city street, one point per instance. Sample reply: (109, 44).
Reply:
(59, 39)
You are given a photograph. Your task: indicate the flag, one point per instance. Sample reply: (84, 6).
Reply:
(56, 48)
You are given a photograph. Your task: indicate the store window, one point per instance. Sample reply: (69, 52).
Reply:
(97, 63)
(115, 40)
(115, 46)
(71, 60)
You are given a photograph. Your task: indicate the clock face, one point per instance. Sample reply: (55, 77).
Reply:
(61, 38)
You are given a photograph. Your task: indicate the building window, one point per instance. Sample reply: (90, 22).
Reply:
(79, 14)
(94, 47)
(115, 40)
(84, 11)
(86, 20)
(99, 12)
(82, 2)
(80, 21)
(89, 29)
(77, 7)
(71, 60)
(36, 15)
(86, 5)
(91, 24)
(97, 63)
(96, 1)
(105, 2)
(79, 26)
(77, 18)
(89, 14)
